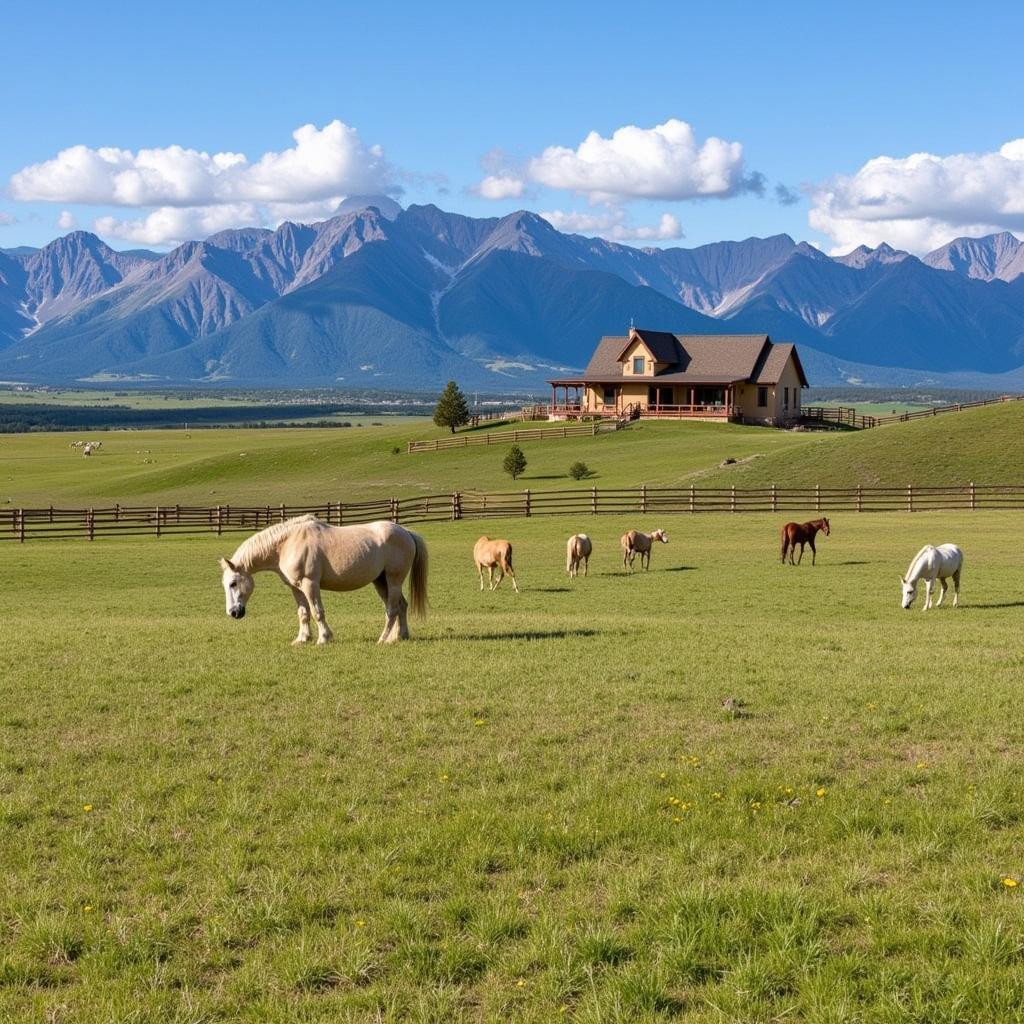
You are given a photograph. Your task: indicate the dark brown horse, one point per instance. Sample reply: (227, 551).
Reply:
(802, 533)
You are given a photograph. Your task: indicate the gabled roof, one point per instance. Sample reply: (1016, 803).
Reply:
(696, 358)
(662, 345)
(774, 362)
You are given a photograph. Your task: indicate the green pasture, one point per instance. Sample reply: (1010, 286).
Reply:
(536, 810)
(204, 467)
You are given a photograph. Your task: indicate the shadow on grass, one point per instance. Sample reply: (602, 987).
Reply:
(526, 634)
(648, 572)
(1003, 604)
(862, 562)
(551, 590)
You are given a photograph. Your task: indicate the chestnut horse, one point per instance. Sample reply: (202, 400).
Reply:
(802, 533)
(494, 554)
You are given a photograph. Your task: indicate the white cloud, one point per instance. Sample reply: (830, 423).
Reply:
(66, 221)
(613, 224)
(172, 225)
(323, 163)
(921, 201)
(664, 162)
(501, 186)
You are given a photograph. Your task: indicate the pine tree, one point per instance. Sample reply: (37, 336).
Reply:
(452, 409)
(515, 461)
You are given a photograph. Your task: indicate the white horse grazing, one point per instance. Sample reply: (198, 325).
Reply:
(636, 543)
(578, 550)
(309, 556)
(931, 564)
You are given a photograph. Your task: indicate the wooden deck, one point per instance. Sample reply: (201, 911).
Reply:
(664, 412)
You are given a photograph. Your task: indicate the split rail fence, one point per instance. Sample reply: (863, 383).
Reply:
(504, 437)
(21, 524)
(849, 417)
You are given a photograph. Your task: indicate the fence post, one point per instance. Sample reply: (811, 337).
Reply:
(593, 500)
(692, 506)
(860, 498)
(775, 498)
(227, 517)
(91, 523)
(394, 510)
(282, 513)
(973, 505)
(732, 499)
(528, 501)
(220, 525)
(158, 520)
(51, 513)
(643, 500)
(21, 526)
(117, 513)
(817, 497)
(456, 505)
(910, 497)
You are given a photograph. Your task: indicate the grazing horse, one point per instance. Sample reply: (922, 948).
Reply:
(310, 556)
(802, 533)
(494, 554)
(931, 564)
(636, 543)
(578, 550)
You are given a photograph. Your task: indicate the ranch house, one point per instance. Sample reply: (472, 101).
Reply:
(744, 378)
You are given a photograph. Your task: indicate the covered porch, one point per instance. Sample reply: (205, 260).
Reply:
(571, 399)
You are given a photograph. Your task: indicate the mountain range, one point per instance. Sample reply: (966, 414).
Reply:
(384, 296)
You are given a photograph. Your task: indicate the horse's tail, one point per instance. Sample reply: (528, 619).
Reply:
(418, 586)
(785, 541)
(570, 551)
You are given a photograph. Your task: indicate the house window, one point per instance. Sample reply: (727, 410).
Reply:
(639, 364)
(762, 397)
(609, 396)
(785, 398)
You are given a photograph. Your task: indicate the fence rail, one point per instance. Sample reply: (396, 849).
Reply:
(849, 417)
(21, 524)
(514, 436)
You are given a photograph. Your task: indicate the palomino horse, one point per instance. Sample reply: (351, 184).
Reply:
(311, 556)
(802, 533)
(578, 550)
(636, 543)
(931, 564)
(494, 554)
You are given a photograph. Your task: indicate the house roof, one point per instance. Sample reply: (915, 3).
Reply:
(697, 358)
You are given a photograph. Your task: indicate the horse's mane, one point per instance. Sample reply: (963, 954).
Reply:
(916, 558)
(259, 545)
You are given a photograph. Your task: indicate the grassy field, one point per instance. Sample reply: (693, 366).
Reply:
(259, 466)
(538, 809)
(982, 445)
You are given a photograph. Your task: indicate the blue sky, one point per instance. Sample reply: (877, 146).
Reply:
(807, 95)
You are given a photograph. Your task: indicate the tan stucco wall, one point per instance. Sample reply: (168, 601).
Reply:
(775, 411)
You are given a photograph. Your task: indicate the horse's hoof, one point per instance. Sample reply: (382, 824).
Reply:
(300, 640)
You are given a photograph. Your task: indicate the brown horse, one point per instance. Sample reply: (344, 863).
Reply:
(494, 554)
(802, 533)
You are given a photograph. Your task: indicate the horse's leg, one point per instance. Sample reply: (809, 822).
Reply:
(395, 628)
(956, 589)
(303, 607)
(507, 567)
(311, 591)
(801, 558)
(814, 551)
(490, 578)
(381, 586)
(480, 569)
(942, 592)
(927, 595)
(586, 565)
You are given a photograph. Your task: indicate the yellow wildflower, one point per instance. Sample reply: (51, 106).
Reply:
(1010, 883)
(821, 792)
(520, 983)
(921, 765)
(87, 808)
(663, 775)
(360, 923)
(88, 909)
(480, 721)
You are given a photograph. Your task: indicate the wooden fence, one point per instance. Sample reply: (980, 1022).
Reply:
(21, 524)
(849, 417)
(514, 436)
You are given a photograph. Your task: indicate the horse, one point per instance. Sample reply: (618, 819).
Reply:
(578, 550)
(636, 543)
(310, 556)
(802, 533)
(931, 564)
(494, 554)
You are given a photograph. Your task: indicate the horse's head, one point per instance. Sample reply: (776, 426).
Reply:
(826, 529)
(660, 535)
(909, 592)
(238, 588)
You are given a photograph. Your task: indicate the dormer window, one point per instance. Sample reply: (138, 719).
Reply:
(639, 364)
